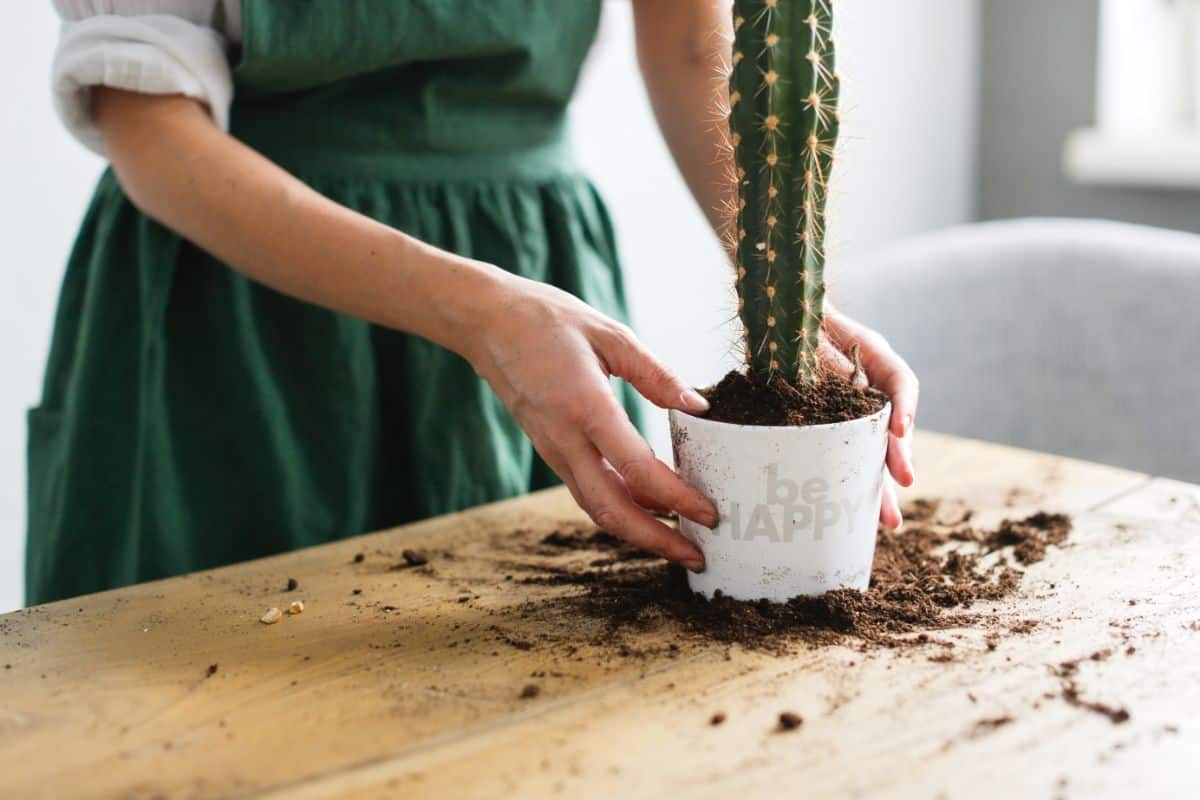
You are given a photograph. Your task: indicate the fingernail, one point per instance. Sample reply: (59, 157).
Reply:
(708, 520)
(691, 400)
(694, 565)
(908, 423)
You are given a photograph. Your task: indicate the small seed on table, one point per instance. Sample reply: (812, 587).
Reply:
(296, 607)
(272, 616)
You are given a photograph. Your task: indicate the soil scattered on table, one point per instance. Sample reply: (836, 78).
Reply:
(717, 718)
(925, 578)
(1030, 537)
(292, 585)
(615, 550)
(530, 691)
(741, 400)
(212, 670)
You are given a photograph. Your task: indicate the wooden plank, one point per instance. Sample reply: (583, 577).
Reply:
(108, 695)
(1002, 480)
(885, 723)
(1160, 499)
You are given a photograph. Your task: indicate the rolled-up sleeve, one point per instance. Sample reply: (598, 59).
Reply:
(118, 45)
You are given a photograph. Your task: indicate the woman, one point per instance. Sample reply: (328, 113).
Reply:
(342, 264)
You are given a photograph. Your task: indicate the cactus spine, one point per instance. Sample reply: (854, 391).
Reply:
(783, 126)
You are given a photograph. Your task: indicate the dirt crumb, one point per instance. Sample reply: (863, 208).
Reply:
(530, 691)
(790, 720)
(1066, 669)
(414, 558)
(511, 640)
(989, 724)
(717, 718)
(292, 585)
(1072, 694)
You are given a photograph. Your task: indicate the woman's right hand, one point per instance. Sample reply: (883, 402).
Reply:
(549, 357)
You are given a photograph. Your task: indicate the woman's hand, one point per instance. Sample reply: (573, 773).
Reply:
(887, 372)
(549, 357)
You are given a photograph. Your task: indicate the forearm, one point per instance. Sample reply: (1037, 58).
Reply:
(181, 170)
(682, 49)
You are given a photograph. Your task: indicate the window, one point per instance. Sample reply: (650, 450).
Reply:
(1147, 128)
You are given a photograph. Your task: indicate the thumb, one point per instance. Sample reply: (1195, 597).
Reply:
(628, 358)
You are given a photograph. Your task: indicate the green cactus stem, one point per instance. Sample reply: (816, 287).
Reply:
(783, 120)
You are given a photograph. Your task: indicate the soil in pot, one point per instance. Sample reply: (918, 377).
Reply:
(740, 399)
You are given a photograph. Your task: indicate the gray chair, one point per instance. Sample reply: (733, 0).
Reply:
(1077, 337)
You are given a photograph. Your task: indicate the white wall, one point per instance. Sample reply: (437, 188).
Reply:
(45, 182)
(910, 72)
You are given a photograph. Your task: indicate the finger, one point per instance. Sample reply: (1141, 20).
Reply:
(899, 460)
(619, 442)
(886, 370)
(562, 469)
(626, 357)
(648, 503)
(898, 382)
(833, 359)
(889, 510)
(611, 507)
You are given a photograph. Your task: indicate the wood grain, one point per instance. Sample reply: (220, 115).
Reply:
(412, 686)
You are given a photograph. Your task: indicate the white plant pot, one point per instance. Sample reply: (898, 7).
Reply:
(799, 505)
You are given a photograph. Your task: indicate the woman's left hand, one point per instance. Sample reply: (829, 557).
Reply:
(887, 372)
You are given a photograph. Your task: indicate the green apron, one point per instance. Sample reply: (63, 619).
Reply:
(191, 417)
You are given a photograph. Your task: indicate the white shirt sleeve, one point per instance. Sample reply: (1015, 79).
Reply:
(117, 43)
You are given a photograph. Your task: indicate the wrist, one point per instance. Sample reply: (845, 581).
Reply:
(466, 297)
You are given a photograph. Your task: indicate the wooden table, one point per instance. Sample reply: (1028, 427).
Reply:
(411, 687)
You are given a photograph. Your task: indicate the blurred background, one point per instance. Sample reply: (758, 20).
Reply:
(977, 137)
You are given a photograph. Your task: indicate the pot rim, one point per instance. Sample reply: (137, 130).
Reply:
(674, 413)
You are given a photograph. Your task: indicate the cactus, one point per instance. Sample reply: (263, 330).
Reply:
(783, 126)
